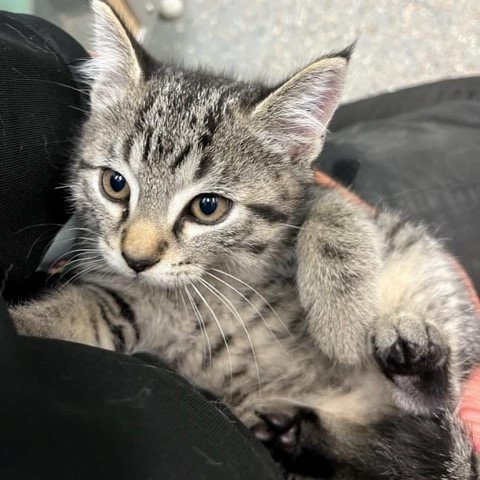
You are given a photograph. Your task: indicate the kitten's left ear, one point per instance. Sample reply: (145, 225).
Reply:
(295, 115)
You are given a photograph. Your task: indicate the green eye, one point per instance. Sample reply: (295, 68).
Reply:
(114, 185)
(209, 208)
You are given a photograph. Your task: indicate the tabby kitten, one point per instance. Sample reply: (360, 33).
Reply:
(339, 336)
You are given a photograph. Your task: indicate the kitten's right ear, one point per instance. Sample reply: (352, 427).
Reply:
(296, 114)
(116, 65)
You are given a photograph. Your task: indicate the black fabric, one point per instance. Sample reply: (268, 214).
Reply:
(407, 100)
(89, 414)
(423, 161)
(41, 109)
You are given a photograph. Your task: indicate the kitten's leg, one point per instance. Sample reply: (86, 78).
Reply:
(313, 427)
(80, 313)
(427, 335)
(339, 255)
(396, 447)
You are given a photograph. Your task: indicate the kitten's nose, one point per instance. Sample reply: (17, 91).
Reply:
(139, 264)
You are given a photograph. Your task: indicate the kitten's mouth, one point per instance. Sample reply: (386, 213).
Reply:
(166, 280)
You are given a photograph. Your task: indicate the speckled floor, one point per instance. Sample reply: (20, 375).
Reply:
(400, 42)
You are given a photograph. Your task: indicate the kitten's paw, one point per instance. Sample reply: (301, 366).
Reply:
(296, 439)
(279, 432)
(407, 345)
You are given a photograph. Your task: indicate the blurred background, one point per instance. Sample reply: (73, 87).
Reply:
(400, 42)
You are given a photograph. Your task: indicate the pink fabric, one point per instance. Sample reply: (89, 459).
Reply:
(470, 407)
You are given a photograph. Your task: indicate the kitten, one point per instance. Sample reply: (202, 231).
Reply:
(341, 337)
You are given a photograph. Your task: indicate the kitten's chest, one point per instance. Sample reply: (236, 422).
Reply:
(221, 334)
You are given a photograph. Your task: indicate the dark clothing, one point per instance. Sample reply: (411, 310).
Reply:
(77, 412)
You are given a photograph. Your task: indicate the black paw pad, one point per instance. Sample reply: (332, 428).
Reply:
(408, 358)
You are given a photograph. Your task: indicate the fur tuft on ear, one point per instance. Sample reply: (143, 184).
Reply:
(116, 62)
(296, 114)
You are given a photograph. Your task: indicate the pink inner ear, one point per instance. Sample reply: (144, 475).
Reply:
(328, 102)
(310, 106)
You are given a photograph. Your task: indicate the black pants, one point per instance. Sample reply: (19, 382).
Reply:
(76, 412)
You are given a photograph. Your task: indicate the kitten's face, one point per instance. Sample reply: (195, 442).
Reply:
(180, 173)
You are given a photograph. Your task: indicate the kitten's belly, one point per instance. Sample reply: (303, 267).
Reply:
(249, 354)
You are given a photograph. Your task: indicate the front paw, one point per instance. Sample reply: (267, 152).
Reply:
(407, 345)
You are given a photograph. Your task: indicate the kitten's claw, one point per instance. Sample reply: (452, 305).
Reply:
(407, 345)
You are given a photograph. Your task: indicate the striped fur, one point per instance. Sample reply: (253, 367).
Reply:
(292, 303)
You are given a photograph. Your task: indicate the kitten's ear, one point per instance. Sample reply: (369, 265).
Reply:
(295, 115)
(116, 64)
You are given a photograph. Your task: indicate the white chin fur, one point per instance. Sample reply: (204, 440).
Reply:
(168, 281)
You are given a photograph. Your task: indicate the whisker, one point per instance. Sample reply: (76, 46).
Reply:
(201, 323)
(59, 241)
(74, 263)
(78, 252)
(41, 80)
(257, 311)
(232, 308)
(259, 295)
(78, 109)
(222, 333)
(79, 275)
(49, 243)
(38, 225)
(291, 226)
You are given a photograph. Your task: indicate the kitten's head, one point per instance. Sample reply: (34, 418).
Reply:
(180, 171)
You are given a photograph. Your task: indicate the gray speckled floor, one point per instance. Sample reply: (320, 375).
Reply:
(400, 42)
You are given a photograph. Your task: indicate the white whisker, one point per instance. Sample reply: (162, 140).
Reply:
(257, 311)
(201, 322)
(222, 333)
(259, 295)
(231, 307)
(79, 275)
(291, 226)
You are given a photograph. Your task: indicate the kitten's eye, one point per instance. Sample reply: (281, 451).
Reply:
(115, 186)
(209, 208)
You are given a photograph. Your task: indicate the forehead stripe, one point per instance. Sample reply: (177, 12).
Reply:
(179, 160)
(204, 166)
(127, 147)
(148, 143)
(267, 212)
